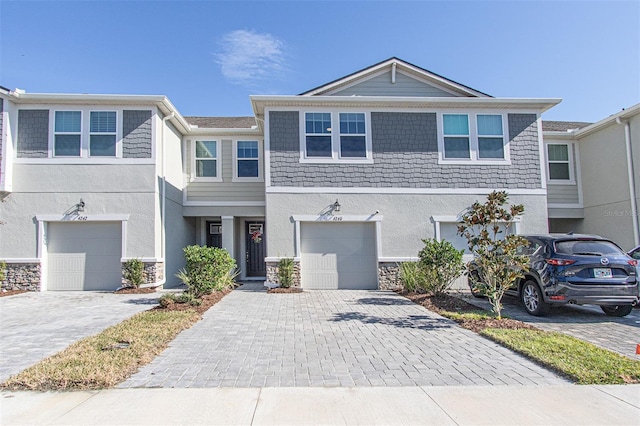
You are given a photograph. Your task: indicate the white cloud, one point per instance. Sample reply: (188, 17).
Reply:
(249, 58)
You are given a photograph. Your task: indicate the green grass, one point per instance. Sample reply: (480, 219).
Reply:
(97, 363)
(476, 315)
(580, 361)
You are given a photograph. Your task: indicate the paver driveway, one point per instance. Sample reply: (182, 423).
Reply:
(331, 338)
(37, 325)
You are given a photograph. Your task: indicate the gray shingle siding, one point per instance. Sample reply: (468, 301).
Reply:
(405, 154)
(136, 134)
(33, 133)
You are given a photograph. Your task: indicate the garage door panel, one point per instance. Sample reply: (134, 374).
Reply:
(338, 255)
(84, 255)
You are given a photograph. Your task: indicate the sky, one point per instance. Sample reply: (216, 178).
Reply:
(208, 57)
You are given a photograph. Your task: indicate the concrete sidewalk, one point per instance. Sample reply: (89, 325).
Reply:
(446, 405)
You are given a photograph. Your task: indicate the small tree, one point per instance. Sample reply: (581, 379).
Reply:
(441, 264)
(285, 272)
(496, 264)
(134, 272)
(3, 267)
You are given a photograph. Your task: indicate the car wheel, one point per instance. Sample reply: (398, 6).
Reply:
(531, 297)
(617, 310)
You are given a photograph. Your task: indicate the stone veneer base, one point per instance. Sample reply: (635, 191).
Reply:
(22, 276)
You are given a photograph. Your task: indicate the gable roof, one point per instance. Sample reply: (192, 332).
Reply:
(222, 122)
(394, 64)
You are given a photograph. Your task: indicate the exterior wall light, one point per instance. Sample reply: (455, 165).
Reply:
(80, 206)
(336, 206)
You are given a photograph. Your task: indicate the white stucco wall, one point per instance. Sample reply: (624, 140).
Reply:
(407, 218)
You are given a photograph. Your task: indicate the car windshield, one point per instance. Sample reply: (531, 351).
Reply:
(588, 248)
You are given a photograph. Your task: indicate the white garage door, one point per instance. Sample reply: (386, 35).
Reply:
(338, 256)
(84, 256)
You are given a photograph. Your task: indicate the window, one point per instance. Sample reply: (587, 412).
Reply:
(247, 159)
(559, 163)
(206, 159)
(456, 136)
(353, 135)
(335, 137)
(102, 134)
(67, 133)
(318, 134)
(478, 138)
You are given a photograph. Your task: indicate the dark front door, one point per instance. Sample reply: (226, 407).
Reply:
(255, 241)
(214, 234)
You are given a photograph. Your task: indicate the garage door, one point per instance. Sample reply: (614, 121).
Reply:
(84, 256)
(338, 256)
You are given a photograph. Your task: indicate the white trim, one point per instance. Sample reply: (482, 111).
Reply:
(82, 160)
(235, 159)
(376, 190)
(578, 172)
(224, 203)
(397, 259)
(82, 218)
(21, 260)
(335, 134)
(278, 258)
(337, 218)
(565, 206)
(474, 139)
(570, 161)
(267, 152)
(143, 259)
(451, 218)
(218, 159)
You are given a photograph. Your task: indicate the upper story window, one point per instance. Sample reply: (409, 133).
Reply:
(247, 160)
(335, 137)
(206, 160)
(67, 139)
(102, 134)
(477, 138)
(559, 163)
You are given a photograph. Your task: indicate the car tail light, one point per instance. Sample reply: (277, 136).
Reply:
(560, 262)
(557, 297)
(632, 262)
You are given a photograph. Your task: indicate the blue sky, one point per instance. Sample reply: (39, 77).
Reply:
(209, 56)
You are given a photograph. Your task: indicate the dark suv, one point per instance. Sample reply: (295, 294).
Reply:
(577, 269)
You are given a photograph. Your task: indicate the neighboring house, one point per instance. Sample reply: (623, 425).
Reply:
(593, 176)
(347, 179)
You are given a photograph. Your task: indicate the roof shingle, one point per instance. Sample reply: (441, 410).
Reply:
(562, 126)
(222, 122)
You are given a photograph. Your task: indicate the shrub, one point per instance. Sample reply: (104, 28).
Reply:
(496, 264)
(208, 269)
(412, 277)
(3, 267)
(441, 264)
(134, 272)
(285, 272)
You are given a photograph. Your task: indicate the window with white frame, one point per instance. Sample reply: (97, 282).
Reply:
(559, 162)
(335, 136)
(473, 138)
(247, 159)
(67, 139)
(102, 134)
(206, 159)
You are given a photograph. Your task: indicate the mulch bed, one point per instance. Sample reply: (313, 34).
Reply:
(134, 290)
(285, 290)
(11, 292)
(208, 300)
(450, 303)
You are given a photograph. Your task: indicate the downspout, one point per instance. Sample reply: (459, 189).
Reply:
(632, 184)
(163, 237)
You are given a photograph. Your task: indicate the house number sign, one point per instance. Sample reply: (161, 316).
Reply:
(337, 218)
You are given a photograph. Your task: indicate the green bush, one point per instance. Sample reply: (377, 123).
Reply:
(441, 264)
(412, 277)
(208, 269)
(3, 267)
(285, 272)
(134, 272)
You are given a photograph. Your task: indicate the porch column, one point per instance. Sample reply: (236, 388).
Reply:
(227, 235)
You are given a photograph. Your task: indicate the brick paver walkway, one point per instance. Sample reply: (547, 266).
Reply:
(331, 338)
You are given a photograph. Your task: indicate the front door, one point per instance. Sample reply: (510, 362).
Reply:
(255, 266)
(214, 234)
